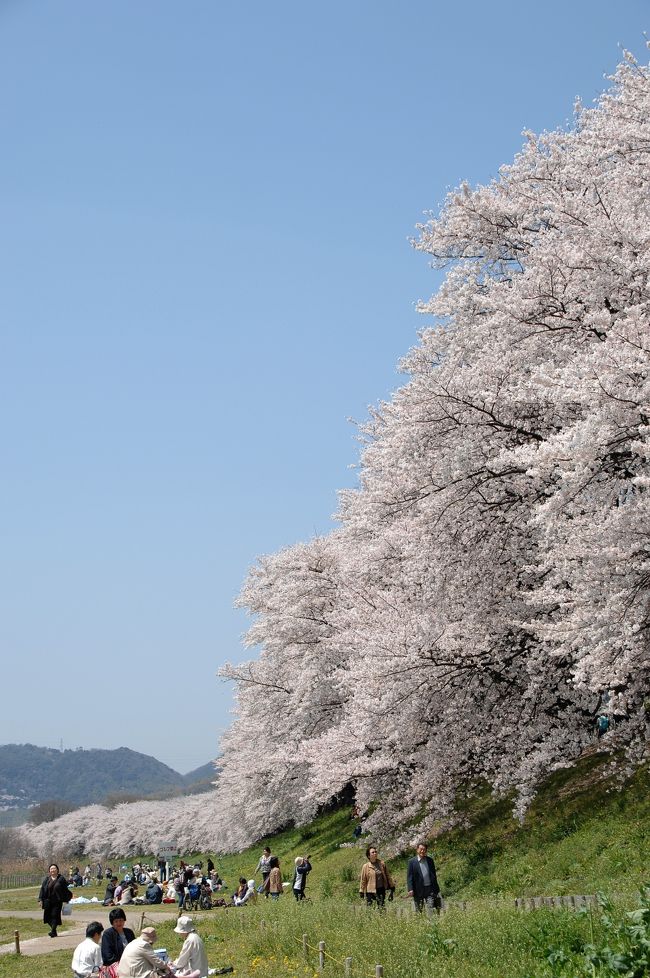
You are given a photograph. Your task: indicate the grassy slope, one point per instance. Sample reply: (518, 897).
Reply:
(579, 837)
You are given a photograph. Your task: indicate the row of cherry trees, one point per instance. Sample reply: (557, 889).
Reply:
(486, 593)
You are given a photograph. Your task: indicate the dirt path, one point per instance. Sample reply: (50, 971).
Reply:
(32, 946)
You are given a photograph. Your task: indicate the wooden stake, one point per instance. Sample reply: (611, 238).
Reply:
(17, 941)
(321, 954)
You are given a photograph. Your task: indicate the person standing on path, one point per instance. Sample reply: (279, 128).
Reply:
(53, 894)
(422, 882)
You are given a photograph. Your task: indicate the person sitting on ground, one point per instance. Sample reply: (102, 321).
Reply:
(139, 960)
(192, 959)
(153, 893)
(128, 894)
(242, 886)
(170, 894)
(116, 937)
(109, 895)
(87, 957)
(250, 896)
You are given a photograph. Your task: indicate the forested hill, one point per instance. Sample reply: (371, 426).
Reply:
(29, 775)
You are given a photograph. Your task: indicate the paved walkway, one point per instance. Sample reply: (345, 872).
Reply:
(81, 916)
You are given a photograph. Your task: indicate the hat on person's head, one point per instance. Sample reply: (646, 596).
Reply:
(251, 884)
(298, 860)
(184, 925)
(149, 934)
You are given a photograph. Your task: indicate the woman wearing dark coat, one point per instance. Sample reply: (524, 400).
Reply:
(116, 937)
(53, 894)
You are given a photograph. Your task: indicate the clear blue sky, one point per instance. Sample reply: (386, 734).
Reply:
(204, 219)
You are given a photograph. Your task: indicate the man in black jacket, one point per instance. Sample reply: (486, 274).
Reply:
(422, 882)
(116, 937)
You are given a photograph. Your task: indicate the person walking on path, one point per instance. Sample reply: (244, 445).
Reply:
(87, 957)
(422, 882)
(375, 879)
(53, 894)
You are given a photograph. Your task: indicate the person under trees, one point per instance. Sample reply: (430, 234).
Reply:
(376, 879)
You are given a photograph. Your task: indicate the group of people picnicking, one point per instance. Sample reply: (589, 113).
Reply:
(115, 952)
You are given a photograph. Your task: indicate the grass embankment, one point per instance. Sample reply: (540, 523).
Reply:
(580, 836)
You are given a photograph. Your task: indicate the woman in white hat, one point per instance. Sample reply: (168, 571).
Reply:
(192, 960)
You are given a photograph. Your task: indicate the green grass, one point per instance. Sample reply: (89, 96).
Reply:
(581, 836)
(27, 928)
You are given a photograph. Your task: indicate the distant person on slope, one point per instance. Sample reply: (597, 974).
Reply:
(421, 881)
(375, 879)
(274, 879)
(264, 865)
(302, 867)
(53, 894)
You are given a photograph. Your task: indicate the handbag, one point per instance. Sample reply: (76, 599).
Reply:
(66, 910)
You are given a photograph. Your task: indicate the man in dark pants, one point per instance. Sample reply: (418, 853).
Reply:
(422, 882)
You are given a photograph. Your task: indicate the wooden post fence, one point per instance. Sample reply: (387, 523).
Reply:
(17, 941)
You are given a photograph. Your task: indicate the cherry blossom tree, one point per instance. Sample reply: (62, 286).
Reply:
(486, 594)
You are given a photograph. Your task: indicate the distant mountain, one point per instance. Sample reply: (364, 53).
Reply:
(207, 772)
(30, 775)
